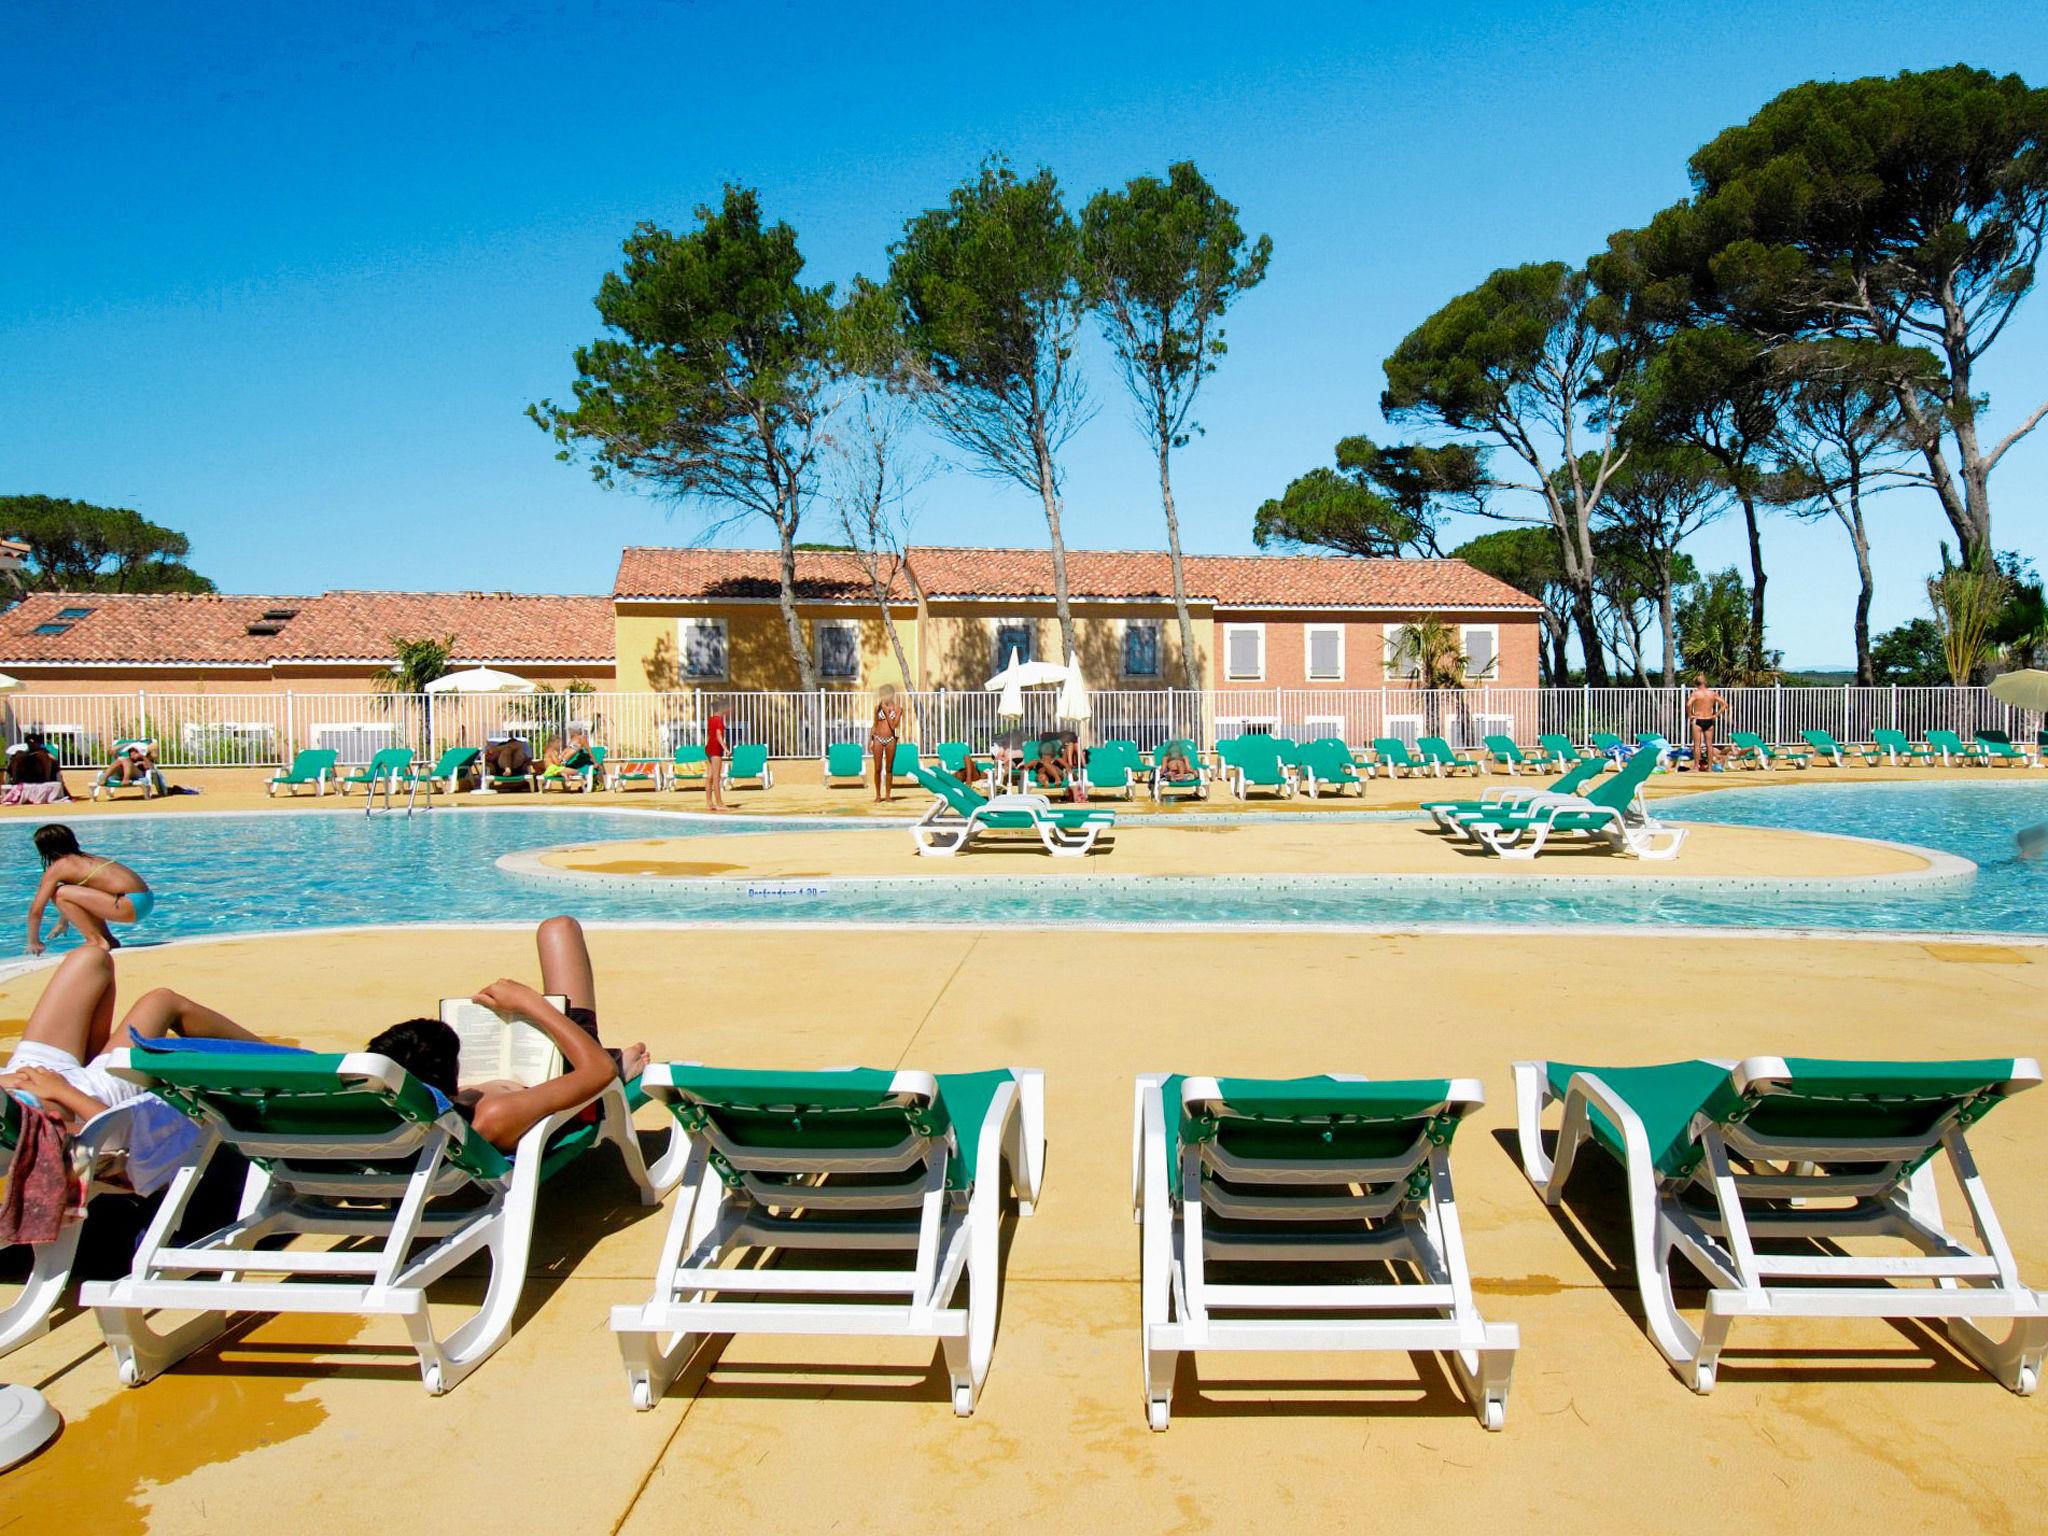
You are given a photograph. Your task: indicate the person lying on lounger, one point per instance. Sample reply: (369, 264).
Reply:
(62, 1057)
(1176, 769)
(91, 893)
(502, 1112)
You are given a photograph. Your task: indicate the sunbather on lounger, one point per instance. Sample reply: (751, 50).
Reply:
(70, 1034)
(502, 1112)
(1176, 769)
(1049, 770)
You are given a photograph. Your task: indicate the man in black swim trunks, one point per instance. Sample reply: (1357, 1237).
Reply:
(1703, 708)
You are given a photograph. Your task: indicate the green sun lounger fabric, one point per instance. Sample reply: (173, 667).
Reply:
(1315, 1116)
(1824, 1098)
(842, 1109)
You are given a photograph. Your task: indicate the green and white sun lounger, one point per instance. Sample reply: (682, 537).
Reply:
(1607, 744)
(447, 772)
(1954, 749)
(1327, 768)
(1721, 1159)
(810, 1166)
(581, 772)
(962, 813)
(1446, 813)
(1437, 753)
(1260, 762)
(1753, 750)
(1999, 748)
(1825, 745)
(388, 767)
(1561, 749)
(1898, 748)
(1338, 1173)
(1503, 753)
(749, 761)
(27, 1317)
(1394, 756)
(845, 760)
(903, 762)
(348, 1147)
(1611, 809)
(314, 766)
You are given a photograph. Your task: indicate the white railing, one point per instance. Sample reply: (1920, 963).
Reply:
(195, 730)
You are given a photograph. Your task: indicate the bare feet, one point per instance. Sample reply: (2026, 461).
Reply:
(633, 1060)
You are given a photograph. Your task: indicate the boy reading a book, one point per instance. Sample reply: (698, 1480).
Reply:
(505, 1108)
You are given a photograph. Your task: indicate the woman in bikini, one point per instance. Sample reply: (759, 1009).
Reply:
(91, 893)
(1704, 708)
(714, 763)
(882, 738)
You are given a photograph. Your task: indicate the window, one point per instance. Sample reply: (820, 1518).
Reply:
(52, 629)
(701, 643)
(1325, 645)
(1141, 648)
(1482, 650)
(1397, 664)
(838, 649)
(1244, 652)
(74, 613)
(1014, 635)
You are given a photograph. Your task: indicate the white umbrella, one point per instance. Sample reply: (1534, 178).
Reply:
(1073, 703)
(12, 684)
(1011, 705)
(480, 680)
(1027, 674)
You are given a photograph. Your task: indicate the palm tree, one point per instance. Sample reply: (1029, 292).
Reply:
(415, 663)
(1435, 652)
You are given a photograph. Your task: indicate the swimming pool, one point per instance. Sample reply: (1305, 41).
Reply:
(223, 874)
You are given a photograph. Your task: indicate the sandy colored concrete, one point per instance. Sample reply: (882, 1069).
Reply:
(800, 791)
(1256, 848)
(299, 1425)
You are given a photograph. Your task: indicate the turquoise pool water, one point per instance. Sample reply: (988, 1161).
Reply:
(228, 874)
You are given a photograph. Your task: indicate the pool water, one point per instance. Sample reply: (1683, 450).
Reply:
(245, 873)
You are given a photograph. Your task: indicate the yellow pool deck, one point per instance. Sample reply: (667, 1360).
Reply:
(1255, 848)
(299, 1425)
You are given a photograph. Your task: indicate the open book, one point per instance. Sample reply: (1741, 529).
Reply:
(497, 1049)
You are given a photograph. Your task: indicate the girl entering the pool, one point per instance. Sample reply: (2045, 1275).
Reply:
(91, 893)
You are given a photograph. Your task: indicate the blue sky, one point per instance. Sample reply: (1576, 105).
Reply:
(285, 277)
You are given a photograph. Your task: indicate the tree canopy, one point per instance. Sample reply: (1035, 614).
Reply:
(994, 289)
(1908, 210)
(711, 385)
(1169, 258)
(1381, 502)
(75, 546)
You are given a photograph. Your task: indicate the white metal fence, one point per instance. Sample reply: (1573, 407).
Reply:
(261, 729)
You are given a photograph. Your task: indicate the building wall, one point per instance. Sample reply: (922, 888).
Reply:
(757, 646)
(959, 647)
(1364, 648)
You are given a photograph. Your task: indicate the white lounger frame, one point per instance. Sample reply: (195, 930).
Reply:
(1633, 832)
(950, 1234)
(27, 1317)
(1719, 1235)
(942, 832)
(387, 1280)
(1179, 1302)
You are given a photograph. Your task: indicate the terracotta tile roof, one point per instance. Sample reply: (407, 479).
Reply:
(821, 576)
(337, 626)
(1308, 581)
(1226, 581)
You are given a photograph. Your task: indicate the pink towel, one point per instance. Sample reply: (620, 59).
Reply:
(39, 1191)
